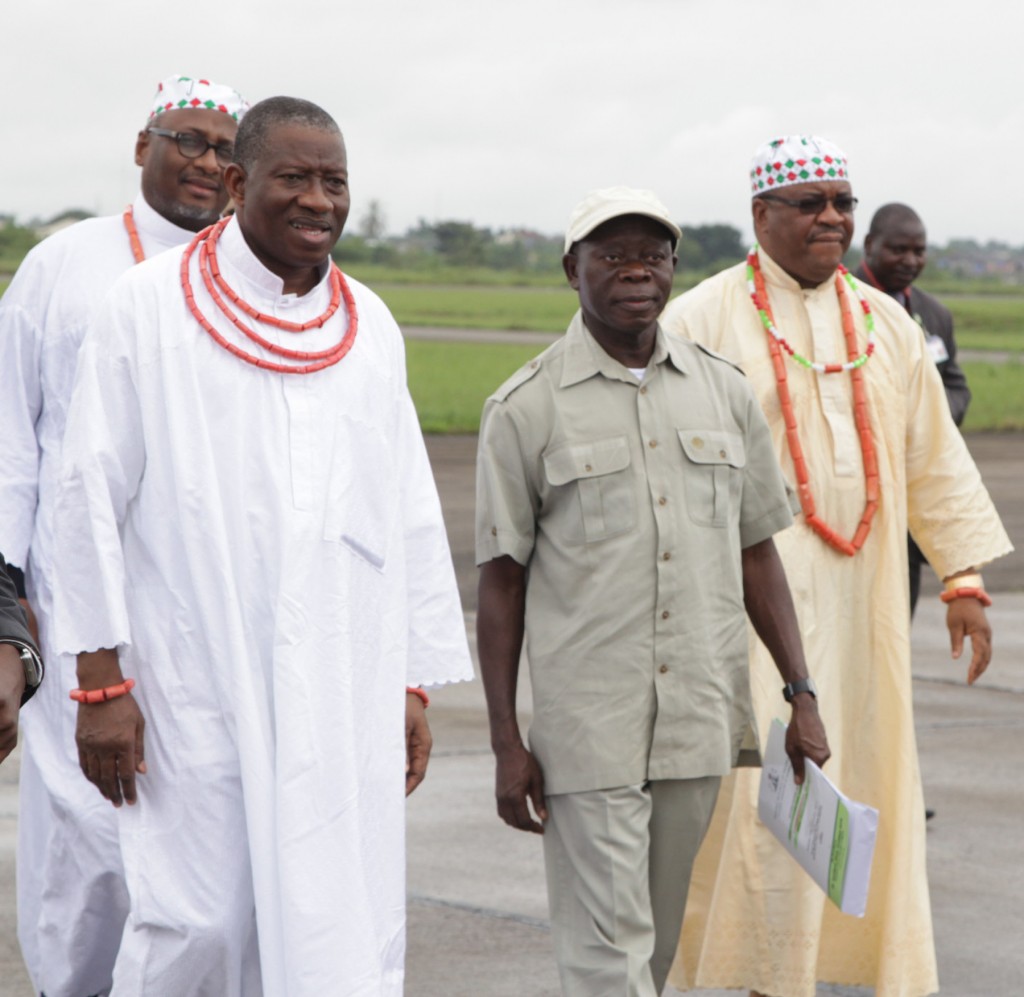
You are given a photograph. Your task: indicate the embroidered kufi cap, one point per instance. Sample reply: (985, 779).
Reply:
(796, 159)
(600, 206)
(186, 93)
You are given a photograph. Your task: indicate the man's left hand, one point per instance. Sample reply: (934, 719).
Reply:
(805, 736)
(12, 685)
(966, 618)
(418, 742)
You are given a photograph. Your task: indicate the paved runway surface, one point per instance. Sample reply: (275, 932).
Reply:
(477, 908)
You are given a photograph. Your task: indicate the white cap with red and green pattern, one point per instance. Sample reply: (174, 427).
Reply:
(187, 93)
(793, 159)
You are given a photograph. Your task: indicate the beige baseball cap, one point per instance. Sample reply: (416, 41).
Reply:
(600, 206)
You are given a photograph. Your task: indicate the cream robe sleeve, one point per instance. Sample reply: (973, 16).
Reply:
(103, 457)
(949, 511)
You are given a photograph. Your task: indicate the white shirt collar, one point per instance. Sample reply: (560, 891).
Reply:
(154, 228)
(232, 247)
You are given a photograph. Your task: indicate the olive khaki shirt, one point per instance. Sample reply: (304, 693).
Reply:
(629, 502)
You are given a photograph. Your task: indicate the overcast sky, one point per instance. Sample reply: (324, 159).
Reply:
(506, 113)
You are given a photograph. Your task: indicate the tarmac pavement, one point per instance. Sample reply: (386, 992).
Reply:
(477, 905)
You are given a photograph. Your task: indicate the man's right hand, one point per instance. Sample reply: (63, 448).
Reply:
(109, 734)
(518, 784)
(110, 746)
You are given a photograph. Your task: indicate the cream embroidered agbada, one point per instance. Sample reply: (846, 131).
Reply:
(268, 554)
(753, 918)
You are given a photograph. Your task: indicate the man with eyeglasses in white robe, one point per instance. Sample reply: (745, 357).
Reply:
(71, 895)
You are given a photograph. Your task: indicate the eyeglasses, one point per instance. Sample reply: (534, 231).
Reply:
(192, 146)
(843, 203)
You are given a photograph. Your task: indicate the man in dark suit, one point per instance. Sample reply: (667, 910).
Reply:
(895, 252)
(21, 668)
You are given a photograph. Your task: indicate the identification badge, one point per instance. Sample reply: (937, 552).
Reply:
(937, 348)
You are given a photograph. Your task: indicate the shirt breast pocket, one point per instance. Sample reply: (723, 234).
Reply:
(362, 498)
(593, 495)
(712, 474)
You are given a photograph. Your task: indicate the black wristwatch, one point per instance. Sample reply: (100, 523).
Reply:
(791, 689)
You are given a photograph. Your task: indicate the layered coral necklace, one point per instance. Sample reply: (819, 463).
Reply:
(133, 234)
(307, 362)
(755, 283)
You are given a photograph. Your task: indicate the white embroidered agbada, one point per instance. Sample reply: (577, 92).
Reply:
(268, 553)
(754, 919)
(71, 898)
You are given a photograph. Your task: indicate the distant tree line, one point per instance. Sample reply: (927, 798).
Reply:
(461, 244)
(15, 241)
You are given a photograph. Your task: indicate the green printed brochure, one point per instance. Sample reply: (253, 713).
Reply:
(830, 835)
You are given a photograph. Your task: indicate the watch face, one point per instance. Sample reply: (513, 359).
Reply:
(31, 665)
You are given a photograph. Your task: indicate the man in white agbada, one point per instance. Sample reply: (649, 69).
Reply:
(862, 429)
(71, 895)
(247, 515)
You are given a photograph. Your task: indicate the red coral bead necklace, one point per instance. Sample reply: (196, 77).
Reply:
(860, 415)
(133, 234)
(206, 242)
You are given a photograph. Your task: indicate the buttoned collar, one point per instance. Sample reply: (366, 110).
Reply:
(233, 248)
(155, 228)
(775, 276)
(584, 357)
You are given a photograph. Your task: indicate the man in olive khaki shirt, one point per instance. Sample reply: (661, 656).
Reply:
(627, 496)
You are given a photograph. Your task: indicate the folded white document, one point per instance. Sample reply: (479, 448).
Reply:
(830, 835)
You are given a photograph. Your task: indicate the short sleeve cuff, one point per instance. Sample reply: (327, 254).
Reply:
(500, 543)
(766, 526)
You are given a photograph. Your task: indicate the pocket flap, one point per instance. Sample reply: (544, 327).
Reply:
(713, 446)
(586, 460)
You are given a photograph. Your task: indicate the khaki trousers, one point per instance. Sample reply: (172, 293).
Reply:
(618, 867)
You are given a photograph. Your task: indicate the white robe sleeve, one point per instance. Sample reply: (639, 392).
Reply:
(103, 457)
(438, 650)
(21, 401)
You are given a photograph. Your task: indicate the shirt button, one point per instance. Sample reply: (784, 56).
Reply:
(721, 453)
(663, 669)
(665, 615)
(587, 467)
(653, 444)
(666, 556)
(494, 531)
(662, 500)
(697, 442)
(643, 389)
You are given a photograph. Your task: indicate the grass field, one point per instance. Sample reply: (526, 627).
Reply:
(535, 309)
(981, 322)
(450, 381)
(997, 396)
(987, 323)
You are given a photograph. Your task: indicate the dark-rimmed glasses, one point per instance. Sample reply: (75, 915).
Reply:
(192, 146)
(843, 203)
